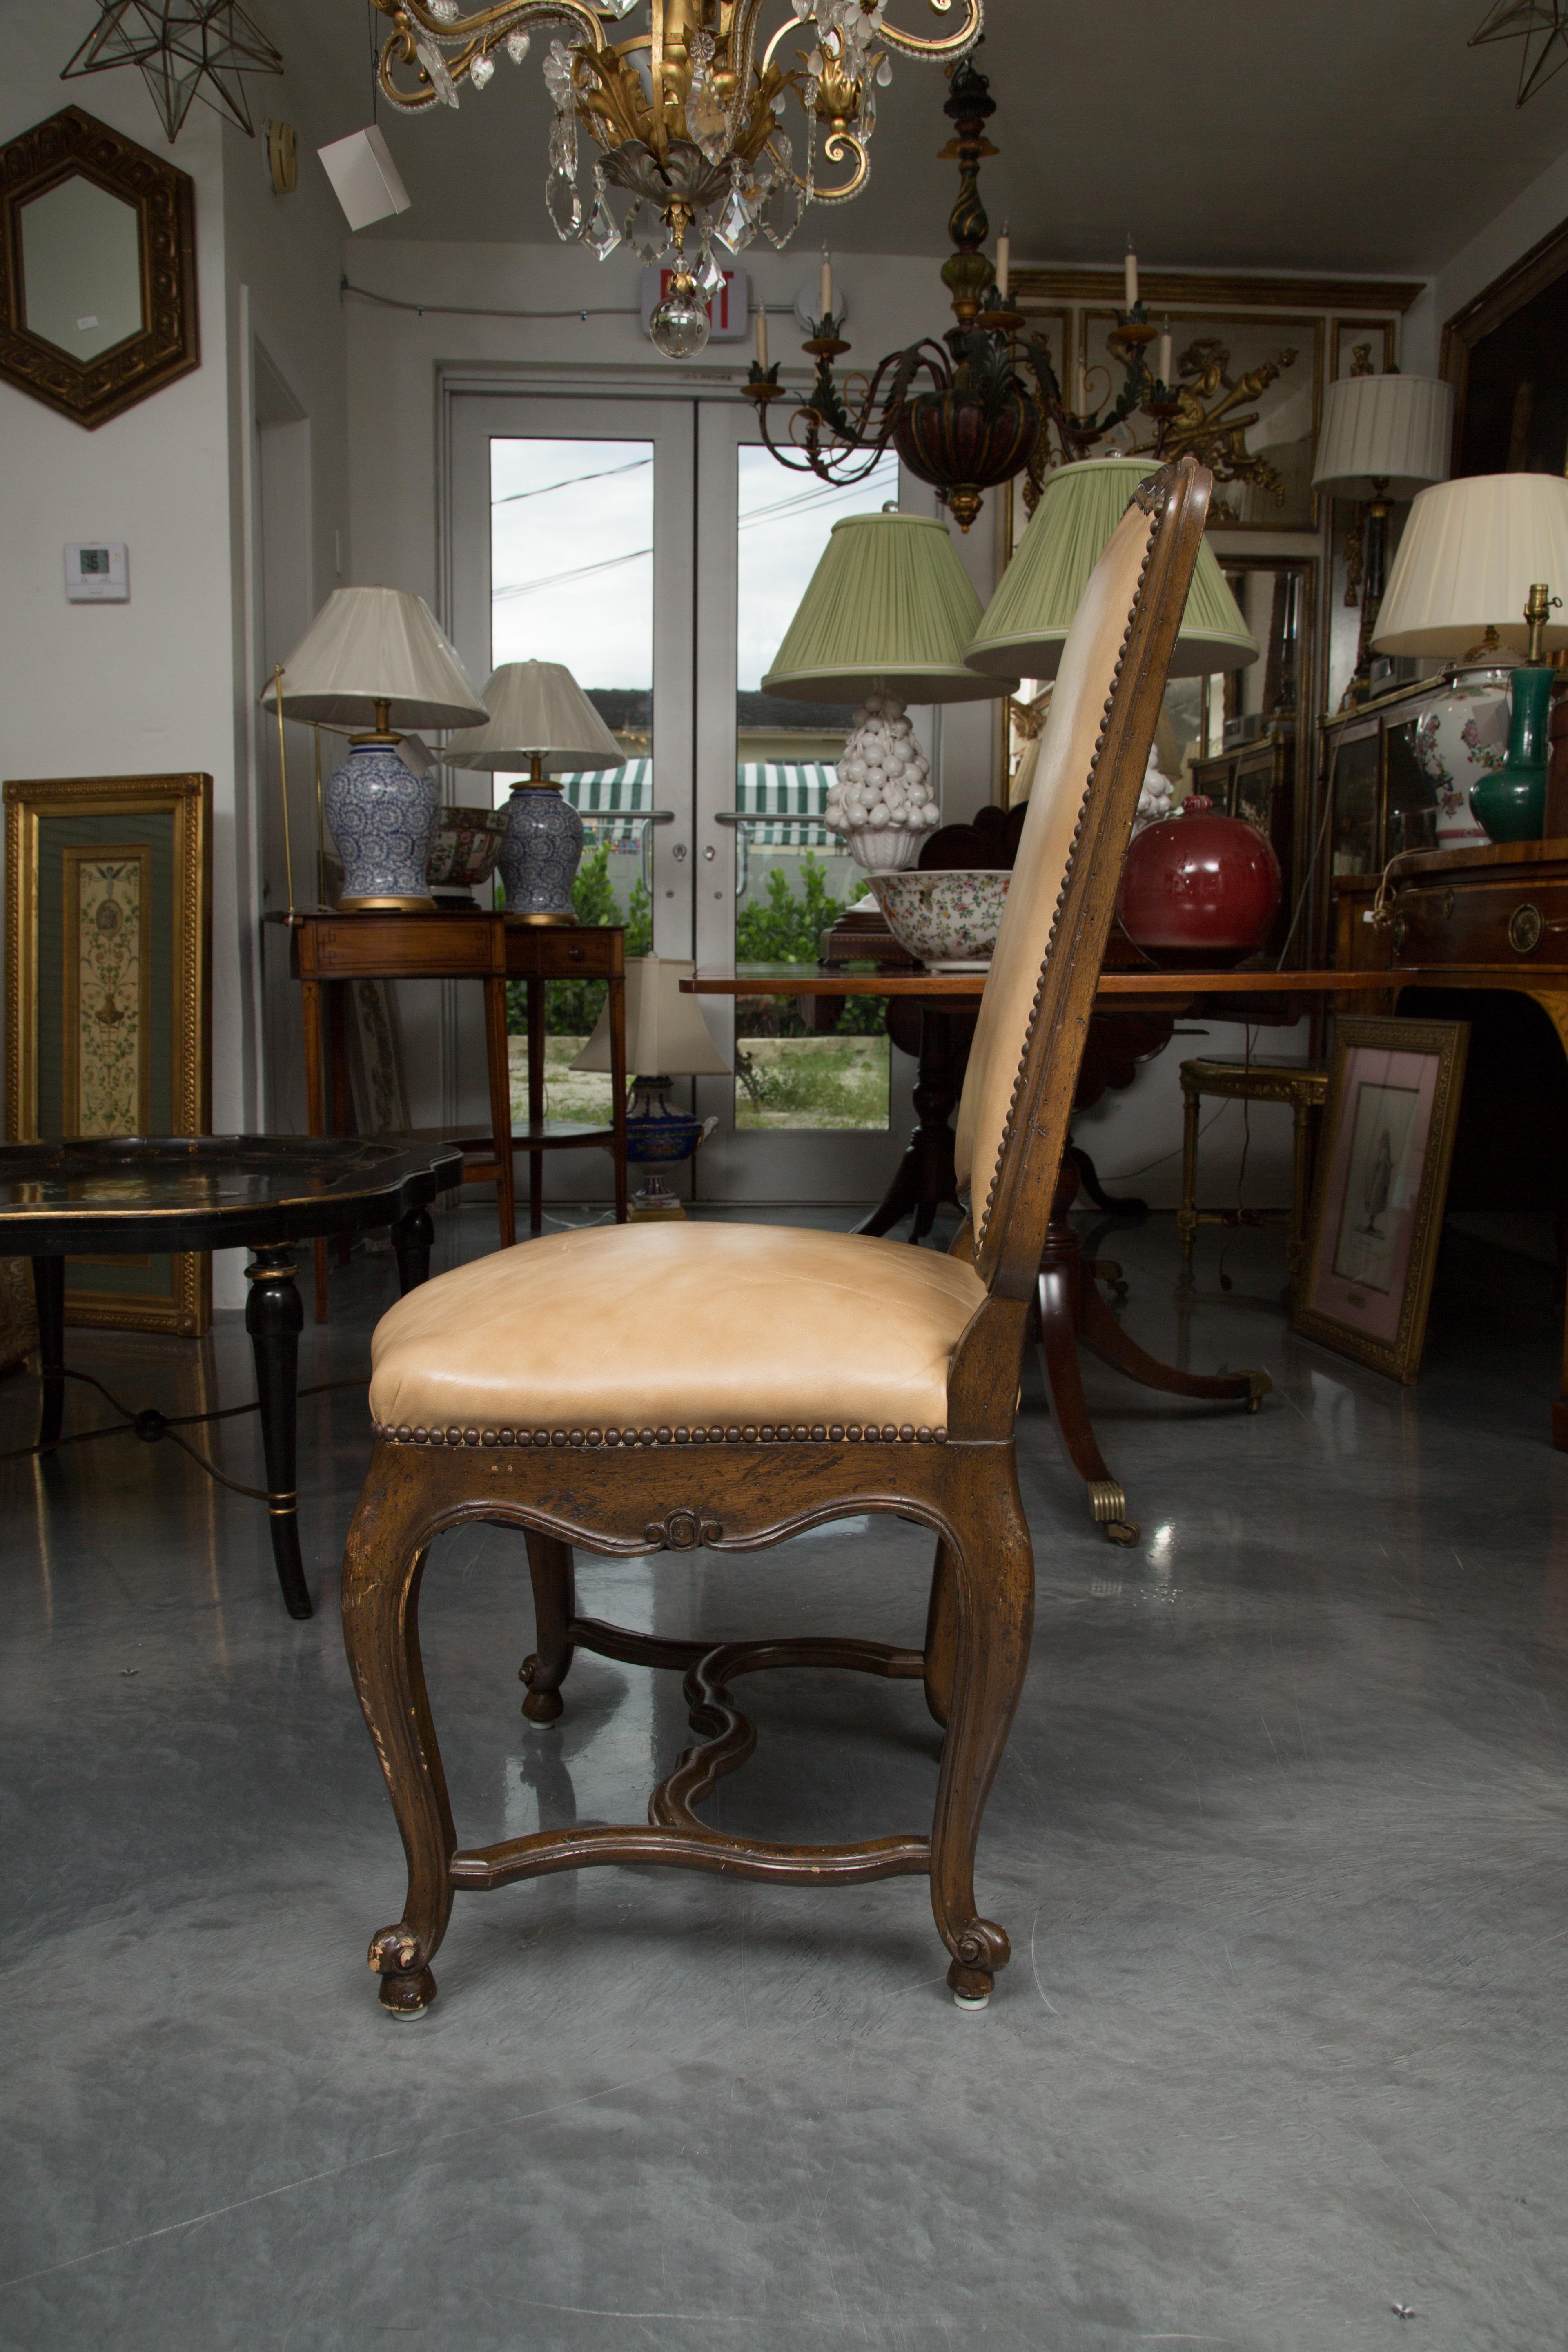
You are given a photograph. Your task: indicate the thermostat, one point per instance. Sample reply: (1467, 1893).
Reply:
(97, 574)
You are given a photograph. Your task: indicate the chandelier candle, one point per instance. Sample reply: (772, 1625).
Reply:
(1004, 263)
(1130, 277)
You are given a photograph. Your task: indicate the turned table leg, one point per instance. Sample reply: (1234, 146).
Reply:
(274, 1318)
(413, 1237)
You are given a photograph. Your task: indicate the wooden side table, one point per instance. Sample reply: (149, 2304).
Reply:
(537, 953)
(1305, 1090)
(328, 950)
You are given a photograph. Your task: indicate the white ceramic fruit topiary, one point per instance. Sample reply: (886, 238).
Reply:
(882, 799)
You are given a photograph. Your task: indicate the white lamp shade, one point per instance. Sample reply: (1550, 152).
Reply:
(665, 1034)
(1385, 436)
(1470, 554)
(536, 706)
(376, 645)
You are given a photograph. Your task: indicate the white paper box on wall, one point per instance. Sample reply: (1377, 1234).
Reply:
(365, 180)
(727, 310)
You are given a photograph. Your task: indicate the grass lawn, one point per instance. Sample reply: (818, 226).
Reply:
(790, 1082)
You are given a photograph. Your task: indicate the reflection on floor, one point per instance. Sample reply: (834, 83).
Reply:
(1281, 1840)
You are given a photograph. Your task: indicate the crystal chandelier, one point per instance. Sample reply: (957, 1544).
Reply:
(687, 117)
(980, 406)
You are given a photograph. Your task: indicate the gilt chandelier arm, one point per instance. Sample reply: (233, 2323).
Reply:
(440, 46)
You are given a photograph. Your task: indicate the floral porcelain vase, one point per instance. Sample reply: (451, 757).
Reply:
(1460, 742)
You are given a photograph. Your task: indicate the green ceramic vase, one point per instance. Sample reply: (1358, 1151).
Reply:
(1512, 802)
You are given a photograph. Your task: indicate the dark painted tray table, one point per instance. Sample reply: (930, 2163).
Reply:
(262, 1193)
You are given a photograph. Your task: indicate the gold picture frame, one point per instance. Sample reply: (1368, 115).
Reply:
(1382, 1179)
(107, 999)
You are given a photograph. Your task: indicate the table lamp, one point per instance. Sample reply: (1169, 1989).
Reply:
(1027, 622)
(374, 658)
(667, 1038)
(884, 623)
(1473, 555)
(539, 719)
(1382, 438)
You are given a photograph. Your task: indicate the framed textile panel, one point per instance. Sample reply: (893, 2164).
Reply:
(107, 999)
(1382, 1180)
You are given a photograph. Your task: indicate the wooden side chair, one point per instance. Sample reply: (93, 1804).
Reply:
(628, 1389)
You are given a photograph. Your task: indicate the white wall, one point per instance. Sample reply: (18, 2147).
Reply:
(154, 685)
(1543, 206)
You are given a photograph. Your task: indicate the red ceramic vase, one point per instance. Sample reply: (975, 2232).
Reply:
(1199, 890)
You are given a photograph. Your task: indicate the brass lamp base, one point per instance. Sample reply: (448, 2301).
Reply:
(426, 906)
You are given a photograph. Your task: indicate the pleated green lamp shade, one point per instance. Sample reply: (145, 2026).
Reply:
(889, 608)
(1027, 620)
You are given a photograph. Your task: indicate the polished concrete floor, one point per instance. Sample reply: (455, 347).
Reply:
(1281, 1840)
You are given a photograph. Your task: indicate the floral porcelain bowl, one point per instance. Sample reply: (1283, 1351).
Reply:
(465, 847)
(947, 919)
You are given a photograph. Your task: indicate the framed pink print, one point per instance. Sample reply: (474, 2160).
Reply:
(1381, 1180)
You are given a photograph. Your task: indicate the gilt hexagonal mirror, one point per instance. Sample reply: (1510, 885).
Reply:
(98, 298)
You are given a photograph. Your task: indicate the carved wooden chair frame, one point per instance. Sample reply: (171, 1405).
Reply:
(619, 1492)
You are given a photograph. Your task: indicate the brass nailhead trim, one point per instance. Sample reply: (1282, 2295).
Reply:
(873, 1433)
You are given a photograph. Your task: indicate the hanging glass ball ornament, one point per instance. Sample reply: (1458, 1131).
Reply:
(679, 325)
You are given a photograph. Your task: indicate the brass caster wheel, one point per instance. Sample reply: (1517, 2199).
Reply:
(1121, 1531)
(1262, 1386)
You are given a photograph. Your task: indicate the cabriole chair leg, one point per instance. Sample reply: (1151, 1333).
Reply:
(382, 1567)
(992, 1580)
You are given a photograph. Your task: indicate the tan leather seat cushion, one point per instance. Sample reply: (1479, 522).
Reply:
(678, 1326)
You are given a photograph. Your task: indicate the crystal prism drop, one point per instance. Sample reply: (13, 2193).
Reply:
(707, 119)
(737, 224)
(603, 232)
(646, 233)
(709, 276)
(565, 203)
(679, 326)
(481, 70)
(517, 46)
(781, 213)
(444, 11)
(434, 65)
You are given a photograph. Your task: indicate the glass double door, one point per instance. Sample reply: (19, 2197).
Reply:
(658, 551)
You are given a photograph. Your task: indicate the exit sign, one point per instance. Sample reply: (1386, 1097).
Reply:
(728, 311)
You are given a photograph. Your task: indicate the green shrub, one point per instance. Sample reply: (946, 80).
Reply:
(573, 1006)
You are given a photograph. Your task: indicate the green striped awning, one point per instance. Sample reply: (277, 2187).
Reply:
(789, 797)
(782, 800)
(611, 791)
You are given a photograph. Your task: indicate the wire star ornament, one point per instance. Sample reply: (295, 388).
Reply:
(1541, 25)
(185, 50)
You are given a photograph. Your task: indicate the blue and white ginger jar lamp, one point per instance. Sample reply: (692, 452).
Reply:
(375, 659)
(541, 726)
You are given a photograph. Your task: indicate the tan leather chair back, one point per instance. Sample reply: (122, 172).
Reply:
(1062, 896)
